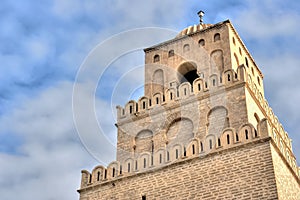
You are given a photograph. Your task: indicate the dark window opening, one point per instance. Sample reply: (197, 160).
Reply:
(255, 133)
(144, 197)
(199, 86)
(105, 174)
(98, 176)
(228, 77)
(201, 43)
(156, 58)
(214, 82)
(246, 134)
(123, 112)
(136, 165)
(145, 163)
(144, 104)
(184, 91)
(217, 37)
(210, 144)
(120, 169)
(157, 100)
(246, 61)
(176, 153)
(193, 149)
(128, 167)
(113, 172)
(235, 75)
(189, 77)
(171, 95)
(184, 151)
(228, 139)
(160, 158)
(237, 137)
(130, 109)
(164, 99)
(205, 84)
(151, 160)
(90, 180)
(201, 145)
(171, 53)
(219, 142)
(233, 40)
(150, 103)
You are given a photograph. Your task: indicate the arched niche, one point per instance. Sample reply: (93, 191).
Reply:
(180, 131)
(217, 120)
(158, 81)
(217, 62)
(143, 141)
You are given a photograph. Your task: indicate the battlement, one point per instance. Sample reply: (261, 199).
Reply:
(184, 91)
(211, 144)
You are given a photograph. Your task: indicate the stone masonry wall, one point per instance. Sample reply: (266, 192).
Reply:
(288, 185)
(244, 172)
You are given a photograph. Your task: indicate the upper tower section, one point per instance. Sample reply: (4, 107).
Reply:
(200, 50)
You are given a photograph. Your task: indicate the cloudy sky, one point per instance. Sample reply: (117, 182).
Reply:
(46, 137)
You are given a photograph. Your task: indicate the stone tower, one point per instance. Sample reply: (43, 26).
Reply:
(202, 130)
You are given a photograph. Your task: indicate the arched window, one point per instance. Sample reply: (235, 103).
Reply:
(145, 162)
(176, 154)
(98, 176)
(228, 139)
(136, 165)
(217, 37)
(210, 144)
(201, 43)
(90, 180)
(156, 58)
(128, 167)
(201, 146)
(246, 61)
(246, 134)
(199, 86)
(193, 149)
(171, 96)
(157, 100)
(214, 82)
(144, 104)
(236, 137)
(228, 77)
(168, 156)
(186, 47)
(171, 53)
(219, 142)
(113, 172)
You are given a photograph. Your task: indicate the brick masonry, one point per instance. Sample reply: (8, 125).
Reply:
(245, 172)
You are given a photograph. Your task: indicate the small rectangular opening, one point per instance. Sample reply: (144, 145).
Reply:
(144, 197)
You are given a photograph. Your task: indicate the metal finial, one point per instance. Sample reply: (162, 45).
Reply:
(201, 14)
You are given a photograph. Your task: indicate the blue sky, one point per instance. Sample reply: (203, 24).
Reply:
(44, 43)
